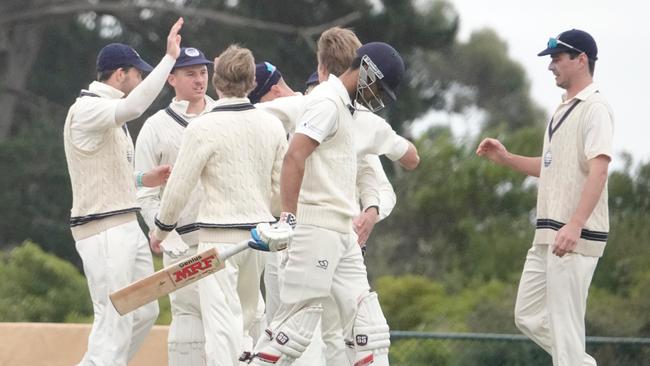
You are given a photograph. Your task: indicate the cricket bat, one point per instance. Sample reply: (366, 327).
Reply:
(173, 277)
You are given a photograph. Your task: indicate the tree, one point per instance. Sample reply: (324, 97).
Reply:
(40, 287)
(480, 74)
(453, 213)
(73, 31)
(23, 27)
(34, 188)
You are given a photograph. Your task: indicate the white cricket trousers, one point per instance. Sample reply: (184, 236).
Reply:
(186, 339)
(321, 263)
(230, 302)
(552, 301)
(113, 259)
(314, 355)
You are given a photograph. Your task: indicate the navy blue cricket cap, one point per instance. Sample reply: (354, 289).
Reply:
(191, 56)
(313, 79)
(389, 62)
(266, 75)
(573, 40)
(116, 55)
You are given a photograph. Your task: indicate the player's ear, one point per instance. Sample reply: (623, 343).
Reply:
(275, 89)
(119, 74)
(171, 79)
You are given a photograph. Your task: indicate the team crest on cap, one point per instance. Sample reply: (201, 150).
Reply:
(191, 52)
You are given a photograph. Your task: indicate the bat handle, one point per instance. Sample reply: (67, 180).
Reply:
(233, 249)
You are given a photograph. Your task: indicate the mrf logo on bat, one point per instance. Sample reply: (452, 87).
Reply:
(195, 266)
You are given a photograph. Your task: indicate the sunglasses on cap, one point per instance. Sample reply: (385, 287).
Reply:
(554, 43)
(271, 69)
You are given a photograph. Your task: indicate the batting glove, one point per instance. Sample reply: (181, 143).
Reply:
(174, 246)
(289, 218)
(271, 238)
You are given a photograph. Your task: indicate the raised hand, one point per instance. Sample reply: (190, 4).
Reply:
(174, 39)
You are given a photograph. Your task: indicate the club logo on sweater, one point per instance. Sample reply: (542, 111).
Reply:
(548, 158)
(323, 264)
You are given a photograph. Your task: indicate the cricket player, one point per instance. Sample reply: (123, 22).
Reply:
(318, 197)
(572, 212)
(99, 154)
(158, 143)
(236, 151)
(269, 84)
(373, 136)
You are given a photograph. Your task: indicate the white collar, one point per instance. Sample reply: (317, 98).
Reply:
(180, 107)
(104, 90)
(231, 100)
(583, 94)
(340, 90)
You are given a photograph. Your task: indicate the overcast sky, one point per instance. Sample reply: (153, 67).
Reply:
(622, 31)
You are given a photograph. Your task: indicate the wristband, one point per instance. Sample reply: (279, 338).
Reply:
(138, 180)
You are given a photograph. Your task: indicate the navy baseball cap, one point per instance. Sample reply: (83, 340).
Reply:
(572, 40)
(191, 56)
(313, 79)
(116, 55)
(389, 64)
(266, 75)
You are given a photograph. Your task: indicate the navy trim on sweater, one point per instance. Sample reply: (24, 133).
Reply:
(164, 227)
(180, 120)
(585, 234)
(233, 107)
(80, 220)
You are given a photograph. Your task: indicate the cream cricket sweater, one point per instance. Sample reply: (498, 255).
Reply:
(158, 143)
(99, 152)
(328, 191)
(103, 189)
(236, 151)
(585, 133)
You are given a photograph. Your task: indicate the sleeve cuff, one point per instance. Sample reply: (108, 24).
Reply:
(592, 154)
(162, 230)
(369, 201)
(399, 149)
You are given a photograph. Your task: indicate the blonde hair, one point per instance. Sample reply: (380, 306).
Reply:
(234, 72)
(337, 48)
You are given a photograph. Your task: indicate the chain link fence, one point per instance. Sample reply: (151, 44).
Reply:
(485, 349)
